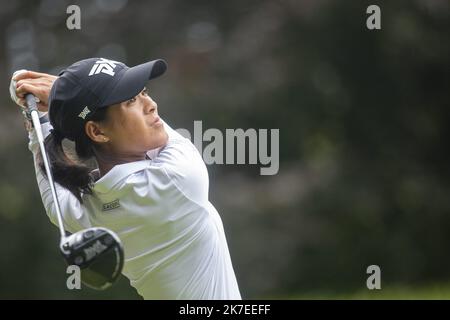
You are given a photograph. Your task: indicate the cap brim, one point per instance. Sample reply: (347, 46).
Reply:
(134, 80)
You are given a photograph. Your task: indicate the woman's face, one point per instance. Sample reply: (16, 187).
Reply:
(133, 127)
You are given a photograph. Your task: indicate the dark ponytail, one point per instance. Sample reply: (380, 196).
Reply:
(72, 174)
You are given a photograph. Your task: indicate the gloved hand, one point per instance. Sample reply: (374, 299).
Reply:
(39, 84)
(12, 92)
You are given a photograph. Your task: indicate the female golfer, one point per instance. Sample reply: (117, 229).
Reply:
(151, 185)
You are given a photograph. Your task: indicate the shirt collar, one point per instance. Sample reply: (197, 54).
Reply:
(119, 172)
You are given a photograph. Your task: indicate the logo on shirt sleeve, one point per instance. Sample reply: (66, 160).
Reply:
(111, 205)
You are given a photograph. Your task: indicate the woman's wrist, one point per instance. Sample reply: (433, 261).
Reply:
(28, 123)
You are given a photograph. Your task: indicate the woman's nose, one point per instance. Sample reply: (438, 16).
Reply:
(150, 106)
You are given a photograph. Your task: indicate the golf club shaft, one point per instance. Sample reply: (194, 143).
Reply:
(32, 107)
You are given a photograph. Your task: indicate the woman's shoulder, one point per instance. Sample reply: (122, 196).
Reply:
(137, 172)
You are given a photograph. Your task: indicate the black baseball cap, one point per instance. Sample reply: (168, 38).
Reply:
(94, 83)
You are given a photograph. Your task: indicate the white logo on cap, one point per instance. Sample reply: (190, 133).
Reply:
(84, 113)
(104, 66)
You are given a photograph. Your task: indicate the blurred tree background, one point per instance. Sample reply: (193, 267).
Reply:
(363, 116)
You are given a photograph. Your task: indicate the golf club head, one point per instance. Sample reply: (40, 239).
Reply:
(99, 254)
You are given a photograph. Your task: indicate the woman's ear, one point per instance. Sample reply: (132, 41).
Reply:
(95, 132)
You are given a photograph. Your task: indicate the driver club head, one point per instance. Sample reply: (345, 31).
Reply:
(99, 254)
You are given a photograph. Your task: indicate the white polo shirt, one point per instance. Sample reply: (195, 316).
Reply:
(173, 237)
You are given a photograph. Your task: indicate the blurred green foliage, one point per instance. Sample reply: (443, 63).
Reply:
(363, 118)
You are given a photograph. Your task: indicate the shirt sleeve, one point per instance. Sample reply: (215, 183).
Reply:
(74, 218)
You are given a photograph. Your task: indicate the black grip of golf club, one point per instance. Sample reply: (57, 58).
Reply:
(31, 102)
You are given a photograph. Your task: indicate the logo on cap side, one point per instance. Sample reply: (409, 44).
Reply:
(104, 66)
(84, 113)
